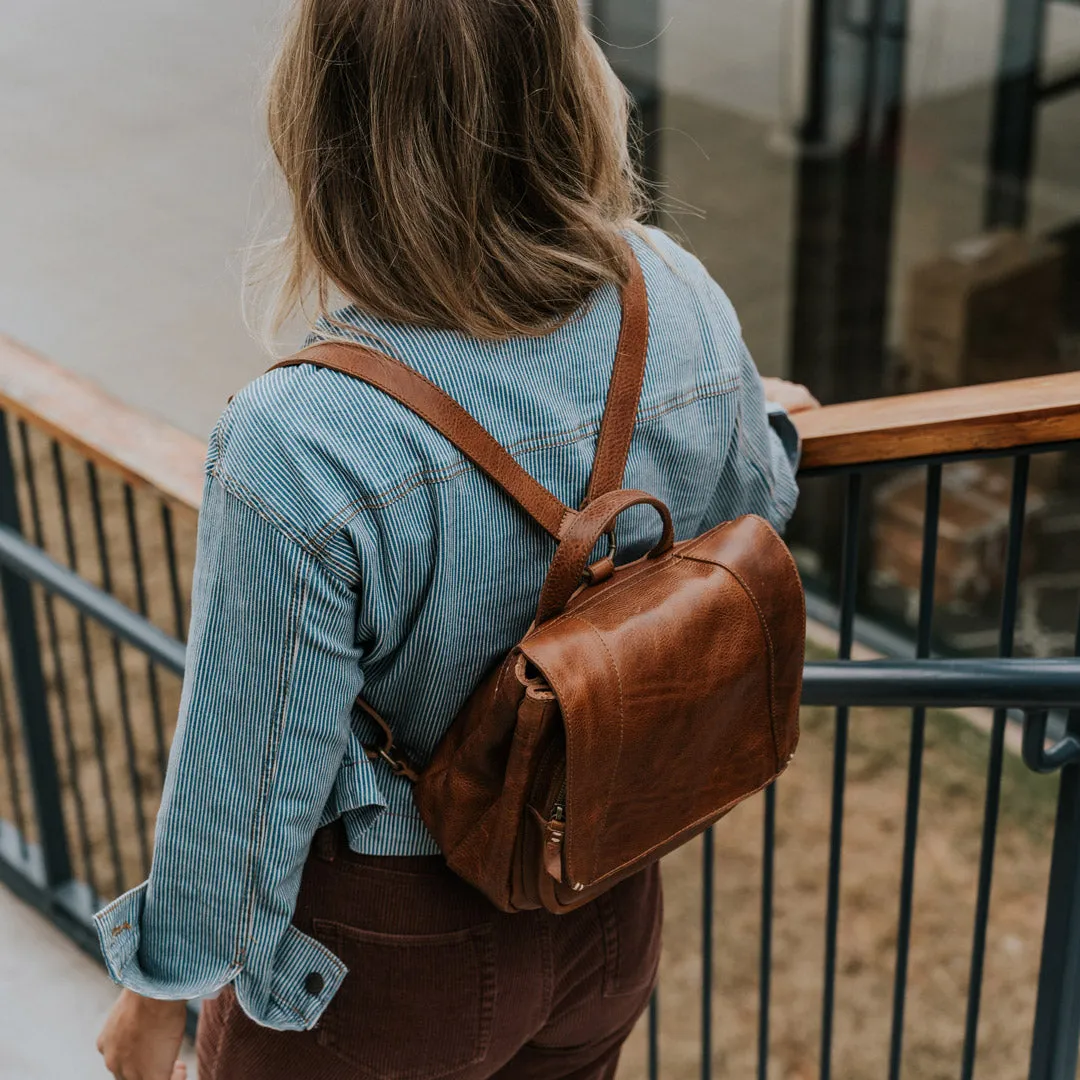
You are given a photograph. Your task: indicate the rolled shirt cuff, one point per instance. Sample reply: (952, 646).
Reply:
(305, 975)
(785, 428)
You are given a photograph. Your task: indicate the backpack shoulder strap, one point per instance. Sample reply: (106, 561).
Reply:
(624, 392)
(454, 423)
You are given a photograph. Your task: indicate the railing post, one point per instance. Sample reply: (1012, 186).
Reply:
(30, 688)
(1056, 1041)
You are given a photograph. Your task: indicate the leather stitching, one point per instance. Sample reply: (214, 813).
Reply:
(618, 586)
(624, 392)
(575, 548)
(770, 654)
(618, 752)
(461, 467)
(688, 831)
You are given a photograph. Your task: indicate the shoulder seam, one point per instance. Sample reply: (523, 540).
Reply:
(239, 491)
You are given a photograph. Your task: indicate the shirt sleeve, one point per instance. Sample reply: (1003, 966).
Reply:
(787, 432)
(272, 671)
(758, 476)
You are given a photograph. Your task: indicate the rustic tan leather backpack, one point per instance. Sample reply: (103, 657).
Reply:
(646, 700)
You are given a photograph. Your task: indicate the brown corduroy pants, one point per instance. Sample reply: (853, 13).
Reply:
(441, 984)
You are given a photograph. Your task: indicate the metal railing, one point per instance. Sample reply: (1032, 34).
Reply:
(96, 544)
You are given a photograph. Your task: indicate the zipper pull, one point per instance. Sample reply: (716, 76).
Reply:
(554, 834)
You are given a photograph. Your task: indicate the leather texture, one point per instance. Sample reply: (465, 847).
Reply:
(645, 702)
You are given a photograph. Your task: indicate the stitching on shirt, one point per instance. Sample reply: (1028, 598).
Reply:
(460, 468)
(334, 564)
(297, 604)
(236, 489)
(317, 544)
(240, 491)
(401, 814)
(288, 1005)
(119, 900)
(328, 953)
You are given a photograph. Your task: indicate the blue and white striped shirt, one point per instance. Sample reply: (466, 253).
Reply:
(345, 546)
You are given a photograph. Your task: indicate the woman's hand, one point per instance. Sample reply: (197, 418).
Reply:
(141, 1038)
(793, 397)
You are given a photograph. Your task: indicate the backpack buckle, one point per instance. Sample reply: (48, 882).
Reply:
(399, 762)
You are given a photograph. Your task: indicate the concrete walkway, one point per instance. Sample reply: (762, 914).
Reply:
(53, 1001)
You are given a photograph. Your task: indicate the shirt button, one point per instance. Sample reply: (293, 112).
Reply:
(313, 984)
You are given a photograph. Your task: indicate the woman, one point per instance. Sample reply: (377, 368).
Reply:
(459, 172)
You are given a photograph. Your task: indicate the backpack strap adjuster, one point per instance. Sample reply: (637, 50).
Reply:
(394, 756)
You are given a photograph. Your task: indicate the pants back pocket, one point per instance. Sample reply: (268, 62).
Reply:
(413, 1007)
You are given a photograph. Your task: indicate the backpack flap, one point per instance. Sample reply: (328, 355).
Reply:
(678, 682)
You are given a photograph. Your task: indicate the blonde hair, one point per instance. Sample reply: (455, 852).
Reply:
(461, 164)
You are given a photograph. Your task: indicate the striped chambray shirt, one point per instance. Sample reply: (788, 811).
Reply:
(345, 546)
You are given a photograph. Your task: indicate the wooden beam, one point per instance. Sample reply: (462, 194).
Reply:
(995, 416)
(145, 450)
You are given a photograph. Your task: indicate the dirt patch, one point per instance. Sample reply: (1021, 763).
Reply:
(944, 901)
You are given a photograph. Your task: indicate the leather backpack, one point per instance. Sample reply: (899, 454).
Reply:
(646, 700)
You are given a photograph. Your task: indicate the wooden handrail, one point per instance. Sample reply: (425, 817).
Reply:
(150, 453)
(995, 416)
(146, 451)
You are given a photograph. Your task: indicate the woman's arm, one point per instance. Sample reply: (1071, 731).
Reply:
(272, 671)
(791, 397)
(758, 475)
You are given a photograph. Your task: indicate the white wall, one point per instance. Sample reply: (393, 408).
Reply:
(131, 143)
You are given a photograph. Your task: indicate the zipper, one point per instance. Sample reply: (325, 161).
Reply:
(554, 834)
(554, 840)
(558, 811)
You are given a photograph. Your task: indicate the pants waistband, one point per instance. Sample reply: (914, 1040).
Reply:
(331, 842)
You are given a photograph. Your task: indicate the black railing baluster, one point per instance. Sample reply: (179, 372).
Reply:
(848, 591)
(30, 692)
(135, 547)
(928, 575)
(708, 856)
(7, 742)
(768, 862)
(654, 1036)
(105, 566)
(89, 676)
(59, 675)
(1056, 1033)
(1017, 515)
(174, 572)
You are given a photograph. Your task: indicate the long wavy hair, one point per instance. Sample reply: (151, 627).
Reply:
(461, 164)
